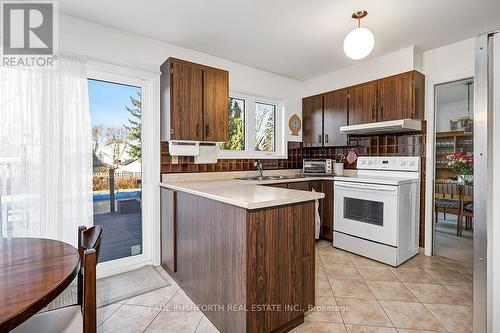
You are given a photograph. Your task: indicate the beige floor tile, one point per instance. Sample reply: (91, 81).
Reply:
(206, 326)
(362, 312)
(371, 273)
(325, 311)
(447, 276)
(411, 315)
(412, 274)
(342, 272)
(317, 327)
(158, 298)
(456, 318)
(320, 271)
(391, 291)
(128, 319)
(400, 330)
(323, 287)
(433, 293)
(369, 329)
(335, 258)
(328, 249)
(175, 321)
(464, 292)
(105, 312)
(362, 261)
(430, 262)
(181, 302)
(351, 288)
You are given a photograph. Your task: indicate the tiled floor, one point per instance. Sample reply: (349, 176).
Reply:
(353, 295)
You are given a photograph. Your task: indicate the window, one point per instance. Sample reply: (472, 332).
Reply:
(255, 128)
(265, 126)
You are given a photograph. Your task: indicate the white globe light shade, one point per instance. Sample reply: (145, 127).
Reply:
(359, 43)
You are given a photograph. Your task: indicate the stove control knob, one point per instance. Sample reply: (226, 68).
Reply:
(403, 163)
(411, 163)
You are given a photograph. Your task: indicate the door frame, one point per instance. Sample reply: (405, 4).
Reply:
(149, 82)
(430, 158)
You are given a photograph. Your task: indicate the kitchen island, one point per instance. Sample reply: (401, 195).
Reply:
(243, 253)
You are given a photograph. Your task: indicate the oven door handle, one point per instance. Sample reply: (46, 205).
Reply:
(370, 187)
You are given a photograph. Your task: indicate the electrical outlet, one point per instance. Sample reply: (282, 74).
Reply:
(175, 159)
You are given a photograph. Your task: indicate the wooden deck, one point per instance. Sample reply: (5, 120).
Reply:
(121, 232)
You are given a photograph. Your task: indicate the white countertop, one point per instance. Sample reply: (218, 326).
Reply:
(244, 193)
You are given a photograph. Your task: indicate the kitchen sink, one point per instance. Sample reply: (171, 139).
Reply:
(259, 178)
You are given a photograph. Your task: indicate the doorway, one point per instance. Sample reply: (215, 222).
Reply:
(453, 218)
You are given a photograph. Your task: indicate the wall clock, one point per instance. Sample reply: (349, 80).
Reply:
(294, 124)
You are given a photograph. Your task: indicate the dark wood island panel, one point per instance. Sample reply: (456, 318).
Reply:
(248, 270)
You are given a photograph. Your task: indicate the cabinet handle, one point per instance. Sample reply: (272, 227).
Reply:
(382, 112)
(319, 138)
(373, 113)
(326, 138)
(197, 130)
(207, 130)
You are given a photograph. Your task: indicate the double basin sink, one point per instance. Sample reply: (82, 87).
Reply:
(260, 178)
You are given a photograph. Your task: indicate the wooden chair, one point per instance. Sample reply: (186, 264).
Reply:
(447, 199)
(81, 317)
(467, 206)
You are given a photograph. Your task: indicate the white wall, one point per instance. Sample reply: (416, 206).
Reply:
(97, 41)
(450, 111)
(389, 64)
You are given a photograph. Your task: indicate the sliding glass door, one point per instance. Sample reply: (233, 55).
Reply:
(115, 110)
(125, 142)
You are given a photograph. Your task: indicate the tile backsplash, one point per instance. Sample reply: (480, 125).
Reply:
(412, 144)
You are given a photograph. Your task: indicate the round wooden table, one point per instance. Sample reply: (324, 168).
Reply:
(33, 272)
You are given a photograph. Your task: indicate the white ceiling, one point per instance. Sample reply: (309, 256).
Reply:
(300, 39)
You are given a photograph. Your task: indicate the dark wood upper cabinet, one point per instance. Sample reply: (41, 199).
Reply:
(194, 102)
(362, 104)
(312, 121)
(215, 103)
(186, 85)
(334, 117)
(395, 98)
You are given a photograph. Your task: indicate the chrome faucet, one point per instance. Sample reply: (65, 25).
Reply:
(258, 164)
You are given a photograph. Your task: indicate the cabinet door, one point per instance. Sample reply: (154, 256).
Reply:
(395, 98)
(327, 218)
(335, 116)
(168, 229)
(312, 121)
(186, 108)
(215, 105)
(303, 186)
(362, 104)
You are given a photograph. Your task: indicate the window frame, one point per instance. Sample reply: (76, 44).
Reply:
(249, 112)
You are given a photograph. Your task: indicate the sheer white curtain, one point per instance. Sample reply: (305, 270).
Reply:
(45, 152)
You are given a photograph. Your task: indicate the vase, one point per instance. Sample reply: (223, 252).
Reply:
(466, 179)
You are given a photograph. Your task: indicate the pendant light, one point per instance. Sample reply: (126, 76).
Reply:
(359, 42)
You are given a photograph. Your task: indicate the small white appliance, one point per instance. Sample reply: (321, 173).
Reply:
(376, 212)
(317, 166)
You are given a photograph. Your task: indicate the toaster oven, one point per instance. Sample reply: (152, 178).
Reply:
(317, 166)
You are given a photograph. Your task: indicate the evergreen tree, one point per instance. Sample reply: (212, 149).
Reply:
(134, 128)
(236, 128)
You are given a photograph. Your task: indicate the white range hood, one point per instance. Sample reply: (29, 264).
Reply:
(392, 126)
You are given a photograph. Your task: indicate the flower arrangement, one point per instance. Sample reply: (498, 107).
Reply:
(462, 164)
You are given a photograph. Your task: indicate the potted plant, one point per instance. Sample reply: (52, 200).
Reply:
(463, 165)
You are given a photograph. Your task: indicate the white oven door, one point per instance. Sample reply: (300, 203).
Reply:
(367, 211)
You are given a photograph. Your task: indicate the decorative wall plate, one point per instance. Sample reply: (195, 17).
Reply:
(294, 124)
